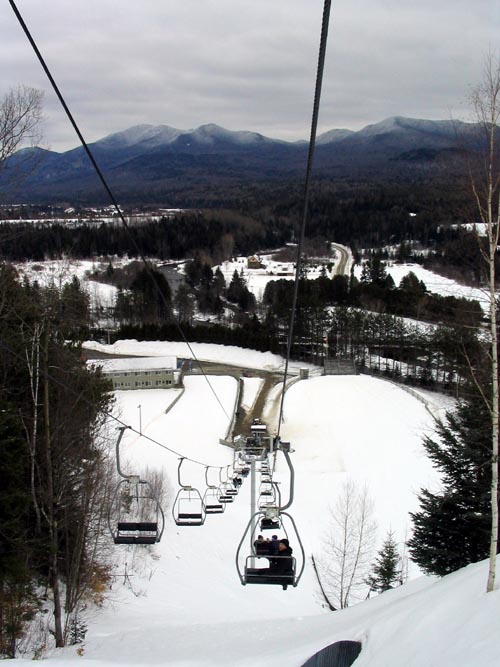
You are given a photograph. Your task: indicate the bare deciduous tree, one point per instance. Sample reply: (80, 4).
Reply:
(348, 546)
(484, 172)
(20, 120)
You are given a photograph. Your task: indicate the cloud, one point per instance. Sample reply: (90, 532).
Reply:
(246, 65)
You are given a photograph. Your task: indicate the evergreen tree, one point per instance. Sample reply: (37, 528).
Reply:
(184, 303)
(238, 293)
(386, 571)
(152, 295)
(219, 282)
(452, 527)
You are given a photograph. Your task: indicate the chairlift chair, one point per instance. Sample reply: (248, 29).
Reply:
(271, 519)
(249, 574)
(222, 495)
(188, 508)
(135, 514)
(284, 579)
(270, 524)
(271, 507)
(290, 574)
(264, 503)
(211, 498)
(266, 489)
(140, 516)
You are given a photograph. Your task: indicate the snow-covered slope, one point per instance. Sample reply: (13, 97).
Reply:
(153, 135)
(183, 603)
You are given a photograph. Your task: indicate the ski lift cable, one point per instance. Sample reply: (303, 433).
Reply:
(108, 189)
(321, 58)
(312, 143)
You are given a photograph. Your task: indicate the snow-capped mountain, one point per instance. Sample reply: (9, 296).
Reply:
(144, 159)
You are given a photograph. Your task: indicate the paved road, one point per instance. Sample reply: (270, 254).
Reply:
(271, 379)
(344, 257)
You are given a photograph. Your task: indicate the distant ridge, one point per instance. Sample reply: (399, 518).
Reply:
(145, 160)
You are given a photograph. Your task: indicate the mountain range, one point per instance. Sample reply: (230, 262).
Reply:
(154, 161)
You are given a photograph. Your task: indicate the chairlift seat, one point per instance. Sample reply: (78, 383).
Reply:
(252, 576)
(214, 509)
(143, 525)
(189, 519)
(270, 524)
(226, 499)
(135, 539)
(136, 532)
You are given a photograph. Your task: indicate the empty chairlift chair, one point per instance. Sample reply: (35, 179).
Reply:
(223, 496)
(135, 515)
(188, 508)
(266, 490)
(211, 501)
(267, 497)
(271, 519)
(224, 488)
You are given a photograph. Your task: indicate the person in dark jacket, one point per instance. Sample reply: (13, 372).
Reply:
(274, 548)
(261, 546)
(283, 564)
(280, 569)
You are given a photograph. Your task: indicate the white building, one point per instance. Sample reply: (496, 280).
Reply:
(140, 372)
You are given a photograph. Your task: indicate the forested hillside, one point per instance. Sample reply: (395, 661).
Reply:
(54, 468)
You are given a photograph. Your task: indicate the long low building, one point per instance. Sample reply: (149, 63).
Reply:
(140, 372)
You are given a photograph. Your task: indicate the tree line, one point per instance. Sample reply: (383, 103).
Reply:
(55, 473)
(336, 317)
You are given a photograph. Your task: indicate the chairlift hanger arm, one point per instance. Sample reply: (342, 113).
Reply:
(209, 486)
(122, 430)
(278, 492)
(284, 447)
(181, 461)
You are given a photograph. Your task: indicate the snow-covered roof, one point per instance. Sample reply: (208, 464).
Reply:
(136, 363)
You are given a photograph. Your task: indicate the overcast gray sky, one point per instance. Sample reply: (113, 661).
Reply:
(246, 65)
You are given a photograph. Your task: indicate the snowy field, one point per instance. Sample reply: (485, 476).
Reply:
(257, 279)
(183, 605)
(433, 281)
(62, 271)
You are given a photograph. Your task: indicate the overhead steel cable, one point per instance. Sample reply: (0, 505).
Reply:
(108, 189)
(310, 156)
